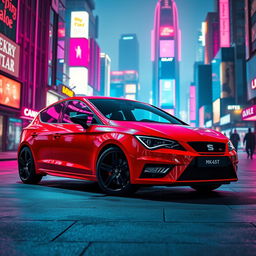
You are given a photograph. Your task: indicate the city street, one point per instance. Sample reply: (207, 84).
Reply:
(72, 217)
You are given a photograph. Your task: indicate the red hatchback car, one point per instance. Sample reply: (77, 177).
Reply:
(122, 144)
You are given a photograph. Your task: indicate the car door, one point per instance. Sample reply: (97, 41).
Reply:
(43, 137)
(72, 143)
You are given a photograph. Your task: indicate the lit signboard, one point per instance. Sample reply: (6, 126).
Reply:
(249, 114)
(9, 56)
(166, 31)
(8, 18)
(78, 52)
(167, 93)
(192, 103)
(201, 116)
(166, 59)
(253, 84)
(68, 92)
(233, 107)
(225, 119)
(251, 78)
(130, 88)
(79, 80)
(224, 23)
(9, 92)
(28, 113)
(227, 80)
(128, 38)
(216, 111)
(166, 48)
(79, 25)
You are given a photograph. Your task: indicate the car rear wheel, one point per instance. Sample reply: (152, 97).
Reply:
(205, 188)
(113, 173)
(27, 170)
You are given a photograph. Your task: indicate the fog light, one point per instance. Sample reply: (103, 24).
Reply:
(156, 171)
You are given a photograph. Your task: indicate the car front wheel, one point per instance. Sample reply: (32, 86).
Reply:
(26, 165)
(113, 173)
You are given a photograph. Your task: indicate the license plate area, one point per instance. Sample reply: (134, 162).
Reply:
(212, 162)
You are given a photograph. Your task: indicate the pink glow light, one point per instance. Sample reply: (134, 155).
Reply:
(249, 114)
(201, 116)
(192, 103)
(166, 48)
(166, 31)
(224, 23)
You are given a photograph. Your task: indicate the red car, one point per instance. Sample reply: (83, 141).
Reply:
(122, 144)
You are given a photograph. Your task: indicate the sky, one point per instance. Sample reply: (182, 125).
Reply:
(118, 17)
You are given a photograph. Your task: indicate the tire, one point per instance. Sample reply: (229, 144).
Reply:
(113, 173)
(205, 188)
(26, 166)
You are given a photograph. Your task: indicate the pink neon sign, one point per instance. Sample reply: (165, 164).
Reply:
(79, 52)
(166, 48)
(249, 114)
(224, 23)
(253, 84)
(192, 103)
(166, 31)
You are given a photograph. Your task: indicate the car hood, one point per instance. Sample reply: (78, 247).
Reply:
(172, 131)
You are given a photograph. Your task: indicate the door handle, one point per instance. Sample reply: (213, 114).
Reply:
(56, 135)
(34, 134)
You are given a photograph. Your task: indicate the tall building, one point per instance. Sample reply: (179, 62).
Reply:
(105, 66)
(211, 35)
(34, 72)
(249, 111)
(128, 52)
(84, 52)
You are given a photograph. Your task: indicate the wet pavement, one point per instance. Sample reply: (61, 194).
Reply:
(72, 217)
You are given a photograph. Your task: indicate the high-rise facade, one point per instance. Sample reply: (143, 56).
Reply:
(166, 55)
(128, 52)
(105, 66)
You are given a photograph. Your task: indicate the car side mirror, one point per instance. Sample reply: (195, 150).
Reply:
(84, 120)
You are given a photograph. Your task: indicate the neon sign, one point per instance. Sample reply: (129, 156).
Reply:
(249, 114)
(65, 90)
(166, 31)
(27, 112)
(253, 83)
(224, 23)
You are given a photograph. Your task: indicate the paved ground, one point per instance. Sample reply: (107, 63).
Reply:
(70, 217)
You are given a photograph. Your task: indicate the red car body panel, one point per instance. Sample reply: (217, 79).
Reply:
(69, 150)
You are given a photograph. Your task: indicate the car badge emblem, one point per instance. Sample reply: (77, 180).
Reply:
(210, 147)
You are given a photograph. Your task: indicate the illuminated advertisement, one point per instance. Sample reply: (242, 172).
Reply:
(227, 80)
(9, 56)
(215, 79)
(78, 52)
(167, 93)
(9, 92)
(166, 68)
(249, 114)
(28, 113)
(166, 31)
(79, 80)
(224, 23)
(130, 88)
(216, 111)
(79, 25)
(166, 48)
(67, 91)
(251, 78)
(8, 18)
(192, 103)
(201, 116)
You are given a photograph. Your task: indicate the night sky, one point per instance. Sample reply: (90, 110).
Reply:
(136, 16)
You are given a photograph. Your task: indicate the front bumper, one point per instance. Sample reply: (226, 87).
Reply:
(184, 167)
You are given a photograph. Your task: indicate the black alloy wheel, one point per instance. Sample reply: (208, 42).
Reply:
(26, 165)
(204, 188)
(113, 173)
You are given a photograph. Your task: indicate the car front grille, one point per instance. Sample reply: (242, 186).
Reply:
(208, 147)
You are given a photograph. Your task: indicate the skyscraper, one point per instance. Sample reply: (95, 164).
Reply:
(105, 63)
(128, 52)
(166, 56)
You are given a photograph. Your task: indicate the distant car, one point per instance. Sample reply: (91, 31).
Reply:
(123, 144)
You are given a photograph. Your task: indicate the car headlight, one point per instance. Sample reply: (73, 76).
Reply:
(155, 143)
(231, 146)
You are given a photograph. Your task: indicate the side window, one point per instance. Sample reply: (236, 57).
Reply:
(74, 107)
(51, 114)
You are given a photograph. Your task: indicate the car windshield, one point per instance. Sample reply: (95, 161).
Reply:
(125, 110)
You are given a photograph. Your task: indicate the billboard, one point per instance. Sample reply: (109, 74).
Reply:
(166, 31)
(78, 52)
(79, 25)
(8, 18)
(166, 48)
(224, 23)
(227, 80)
(216, 111)
(9, 56)
(79, 80)
(249, 114)
(10, 91)
(251, 78)
(130, 88)
(167, 93)
(192, 103)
